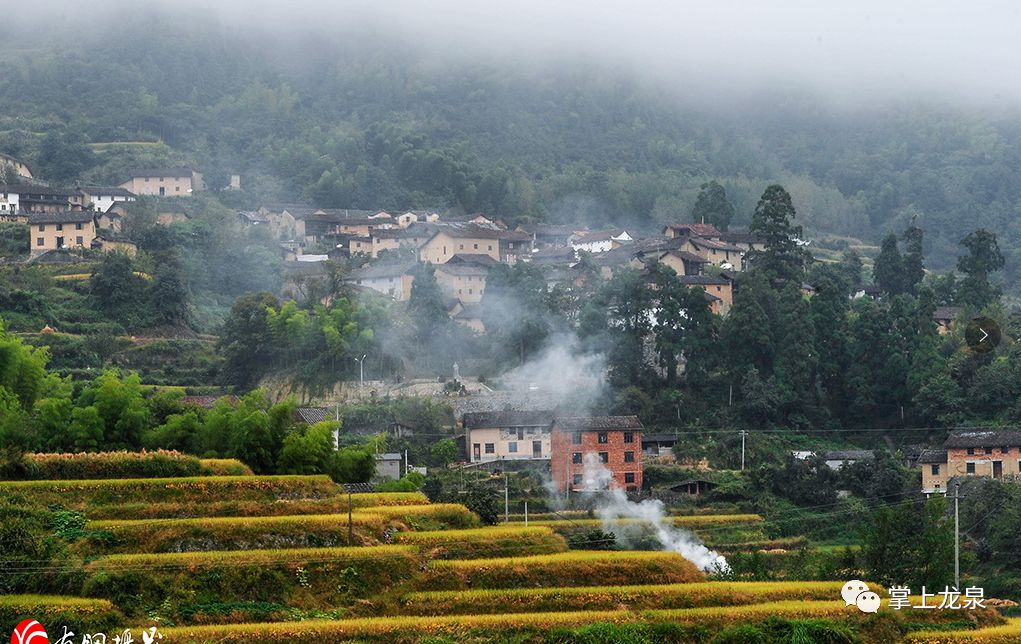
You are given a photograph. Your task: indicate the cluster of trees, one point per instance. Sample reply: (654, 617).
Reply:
(41, 412)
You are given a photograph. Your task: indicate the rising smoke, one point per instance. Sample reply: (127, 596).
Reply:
(612, 505)
(576, 381)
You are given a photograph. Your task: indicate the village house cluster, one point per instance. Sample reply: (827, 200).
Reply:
(89, 216)
(385, 248)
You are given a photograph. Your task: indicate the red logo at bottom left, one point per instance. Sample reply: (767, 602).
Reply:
(30, 632)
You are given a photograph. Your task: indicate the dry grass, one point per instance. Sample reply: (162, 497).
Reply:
(499, 541)
(575, 568)
(231, 533)
(661, 596)
(462, 627)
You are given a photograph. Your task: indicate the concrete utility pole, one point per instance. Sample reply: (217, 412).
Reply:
(506, 498)
(743, 434)
(361, 371)
(957, 537)
(526, 514)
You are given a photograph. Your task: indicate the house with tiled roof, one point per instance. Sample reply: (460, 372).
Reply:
(177, 181)
(507, 435)
(707, 231)
(393, 279)
(596, 452)
(992, 453)
(501, 245)
(61, 230)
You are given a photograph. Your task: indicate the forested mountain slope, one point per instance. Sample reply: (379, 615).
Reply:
(364, 121)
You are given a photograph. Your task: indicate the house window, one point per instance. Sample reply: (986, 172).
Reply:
(935, 469)
(490, 448)
(490, 247)
(629, 477)
(476, 246)
(576, 438)
(39, 241)
(971, 451)
(78, 226)
(969, 468)
(460, 246)
(469, 291)
(629, 457)
(604, 457)
(577, 479)
(1004, 450)
(521, 433)
(576, 458)
(42, 227)
(604, 438)
(512, 447)
(78, 240)
(60, 227)
(629, 437)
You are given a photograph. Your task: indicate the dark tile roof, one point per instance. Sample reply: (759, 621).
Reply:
(932, 456)
(712, 243)
(983, 438)
(472, 259)
(313, 415)
(462, 269)
(107, 191)
(946, 312)
(700, 230)
(34, 189)
(592, 423)
(474, 231)
(687, 256)
(479, 419)
(68, 217)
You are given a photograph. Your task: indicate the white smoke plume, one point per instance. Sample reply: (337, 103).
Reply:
(612, 505)
(562, 372)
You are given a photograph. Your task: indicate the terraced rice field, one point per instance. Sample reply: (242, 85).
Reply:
(268, 559)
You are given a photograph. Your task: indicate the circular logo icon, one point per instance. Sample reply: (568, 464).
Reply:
(30, 632)
(982, 334)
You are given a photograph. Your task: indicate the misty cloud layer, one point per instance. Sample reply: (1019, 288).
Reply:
(852, 51)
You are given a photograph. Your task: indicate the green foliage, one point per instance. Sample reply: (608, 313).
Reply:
(983, 257)
(888, 270)
(911, 545)
(712, 206)
(352, 465)
(308, 450)
(410, 482)
(783, 259)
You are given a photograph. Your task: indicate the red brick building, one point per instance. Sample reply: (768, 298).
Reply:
(616, 441)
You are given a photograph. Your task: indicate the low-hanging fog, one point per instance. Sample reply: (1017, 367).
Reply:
(853, 52)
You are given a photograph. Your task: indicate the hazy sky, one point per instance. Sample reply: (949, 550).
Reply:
(848, 49)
